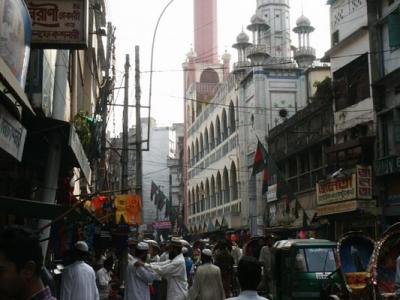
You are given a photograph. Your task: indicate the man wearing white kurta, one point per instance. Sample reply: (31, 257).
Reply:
(78, 280)
(138, 278)
(174, 270)
(207, 282)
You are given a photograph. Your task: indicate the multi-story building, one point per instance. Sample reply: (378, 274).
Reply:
(353, 67)
(386, 92)
(225, 114)
(50, 132)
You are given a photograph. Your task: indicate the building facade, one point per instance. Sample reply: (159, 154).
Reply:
(227, 112)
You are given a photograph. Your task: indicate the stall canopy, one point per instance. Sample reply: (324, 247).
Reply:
(46, 211)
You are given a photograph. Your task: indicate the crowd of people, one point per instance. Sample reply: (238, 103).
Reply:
(173, 271)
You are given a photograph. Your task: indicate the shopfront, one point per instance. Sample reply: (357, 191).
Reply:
(346, 203)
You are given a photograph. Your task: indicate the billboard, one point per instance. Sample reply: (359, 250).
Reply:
(61, 24)
(15, 37)
(336, 190)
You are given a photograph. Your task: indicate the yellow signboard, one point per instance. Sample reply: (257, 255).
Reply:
(336, 190)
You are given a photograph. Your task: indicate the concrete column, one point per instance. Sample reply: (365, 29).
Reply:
(60, 85)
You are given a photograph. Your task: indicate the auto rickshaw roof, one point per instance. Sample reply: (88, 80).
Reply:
(286, 244)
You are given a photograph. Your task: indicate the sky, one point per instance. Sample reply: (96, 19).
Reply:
(135, 21)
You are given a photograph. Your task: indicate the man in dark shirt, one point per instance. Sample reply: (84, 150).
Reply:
(21, 263)
(224, 260)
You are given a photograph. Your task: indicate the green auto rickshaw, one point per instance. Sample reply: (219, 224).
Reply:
(304, 269)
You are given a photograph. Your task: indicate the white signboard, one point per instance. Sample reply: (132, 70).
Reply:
(59, 23)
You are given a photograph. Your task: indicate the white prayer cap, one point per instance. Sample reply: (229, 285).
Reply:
(81, 246)
(185, 250)
(207, 252)
(142, 246)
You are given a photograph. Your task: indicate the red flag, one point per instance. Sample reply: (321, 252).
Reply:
(260, 159)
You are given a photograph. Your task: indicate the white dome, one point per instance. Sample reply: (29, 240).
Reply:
(256, 19)
(303, 21)
(242, 38)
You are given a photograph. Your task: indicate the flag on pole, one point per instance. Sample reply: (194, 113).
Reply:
(153, 190)
(260, 159)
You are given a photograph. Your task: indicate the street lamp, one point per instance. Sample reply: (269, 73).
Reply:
(151, 65)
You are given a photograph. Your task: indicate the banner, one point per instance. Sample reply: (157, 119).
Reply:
(336, 190)
(129, 208)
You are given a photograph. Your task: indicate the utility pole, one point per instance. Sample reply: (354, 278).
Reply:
(105, 92)
(124, 157)
(138, 143)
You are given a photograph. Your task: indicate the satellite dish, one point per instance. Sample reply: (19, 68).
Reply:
(283, 113)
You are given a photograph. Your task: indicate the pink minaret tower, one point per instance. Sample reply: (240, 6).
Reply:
(206, 31)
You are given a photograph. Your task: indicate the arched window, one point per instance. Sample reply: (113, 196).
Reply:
(193, 202)
(224, 125)
(197, 199)
(226, 186)
(208, 198)
(219, 190)
(213, 192)
(201, 146)
(206, 142)
(232, 121)
(193, 155)
(234, 183)
(197, 151)
(209, 76)
(190, 203)
(189, 157)
(217, 131)
(202, 197)
(212, 137)
(193, 114)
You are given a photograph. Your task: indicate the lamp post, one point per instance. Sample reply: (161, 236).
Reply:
(151, 66)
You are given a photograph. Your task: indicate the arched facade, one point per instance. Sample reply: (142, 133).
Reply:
(213, 192)
(206, 142)
(208, 196)
(212, 136)
(234, 183)
(217, 131)
(219, 189)
(201, 155)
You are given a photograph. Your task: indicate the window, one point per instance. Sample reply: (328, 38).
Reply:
(394, 29)
(351, 83)
(315, 260)
(335, 38)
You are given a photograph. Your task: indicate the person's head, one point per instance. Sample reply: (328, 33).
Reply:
(141, 251)
(206, 256)
(269, 240)
(154, 250)
(108, 263)
(249, 273)
(185, 251)
(21, 262)
(81, 251)
(175, 248)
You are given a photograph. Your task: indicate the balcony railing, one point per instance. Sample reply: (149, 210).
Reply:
(304, 51)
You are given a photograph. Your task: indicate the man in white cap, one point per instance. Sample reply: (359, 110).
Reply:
(138, 278)
(174, 270)
(78, 280)
(207, 282)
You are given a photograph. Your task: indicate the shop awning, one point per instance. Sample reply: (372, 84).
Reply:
(41, 210)
(75, 154)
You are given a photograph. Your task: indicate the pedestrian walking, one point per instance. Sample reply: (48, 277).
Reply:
(225, 261)
(189, 265)
(78, 280)
(207, 283)
(103, 276)
(21, 262)
(138, 278)
(266, 260)
(174, 270)
(249, 274)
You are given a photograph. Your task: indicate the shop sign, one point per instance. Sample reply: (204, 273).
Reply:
(162, 225)
(364, 182)
(12, 134)
(272, 193)
(76, 146)
(336, 190)
(347, 206)
(59, 24)
(15, 38)
(387, 166)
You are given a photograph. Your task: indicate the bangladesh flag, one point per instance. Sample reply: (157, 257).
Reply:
(265, 180)
(153, 190)
(260, 159)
